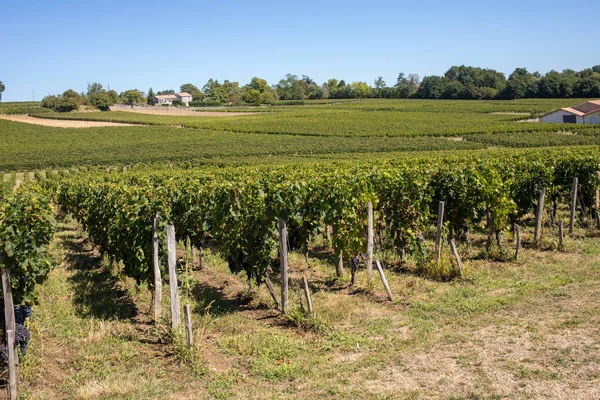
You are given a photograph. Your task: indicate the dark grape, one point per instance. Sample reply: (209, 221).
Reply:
(3, 355)
(22, 337)
(19, 317)
(22, 312)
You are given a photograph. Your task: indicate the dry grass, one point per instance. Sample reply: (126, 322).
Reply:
(527, 330)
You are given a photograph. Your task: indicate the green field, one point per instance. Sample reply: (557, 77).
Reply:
(359, 129)
(387, 118)
(499, 328)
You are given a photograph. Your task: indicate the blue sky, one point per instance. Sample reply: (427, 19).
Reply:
(52, 46)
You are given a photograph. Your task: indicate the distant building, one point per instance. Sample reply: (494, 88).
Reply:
(184, 97)
(586, 113)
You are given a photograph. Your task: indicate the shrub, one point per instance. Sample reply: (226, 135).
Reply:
(205, 104)
(50, 102)
(101, 101)
(66, 104)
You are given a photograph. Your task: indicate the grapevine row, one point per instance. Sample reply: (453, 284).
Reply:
(27, 226)
(236, 210)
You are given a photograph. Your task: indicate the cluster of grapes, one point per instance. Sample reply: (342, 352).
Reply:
(3, 356)
(21, 313)
(22, 337)
(22, 334)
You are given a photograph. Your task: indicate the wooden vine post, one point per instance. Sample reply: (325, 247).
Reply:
(339, 270)
(539, 214)
(369, 261)
(438, 237)
(457, 257)
(307, 295)
(561, 234)
(157, 294)
(11, 345)
(597, 202)
(518, 246)
(271, 289)
(573, 204)
(283, 261)
(172, 261)
(384, 280)
(189, 333)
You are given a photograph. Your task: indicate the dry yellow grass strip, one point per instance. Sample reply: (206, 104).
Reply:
(58, 123)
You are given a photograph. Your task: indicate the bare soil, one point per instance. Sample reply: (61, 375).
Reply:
(61, 123)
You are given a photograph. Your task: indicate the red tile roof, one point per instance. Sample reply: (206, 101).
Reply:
(166, 96)
(588, 107)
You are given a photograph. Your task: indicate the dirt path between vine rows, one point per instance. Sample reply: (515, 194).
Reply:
(60, 123)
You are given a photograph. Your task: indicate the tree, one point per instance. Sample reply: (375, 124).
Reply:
(330, 88)
(406, 86)
(150, 99)
(550, 85)
(2, 87)
(257, 91)
(413, 83)
(73, 95)
(165, 92)
(220, 93)
(291, 88)
(379, 83)
(232, 91)
(50, 102)
(94, 89)
(60, 104)
(360, 90)
(113, 95)
(193, 90)
(521, 84)
(66, 104)
(251, 96)
(589, 86)
(259, 84)
(101, 101)
(132, 96)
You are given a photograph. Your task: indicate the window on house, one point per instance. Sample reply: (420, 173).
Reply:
(569, 119)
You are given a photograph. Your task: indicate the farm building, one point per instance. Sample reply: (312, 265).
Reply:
(585, 113)
(169, 98)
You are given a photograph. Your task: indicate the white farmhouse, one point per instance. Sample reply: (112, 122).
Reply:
(586, 113)
(184, 97)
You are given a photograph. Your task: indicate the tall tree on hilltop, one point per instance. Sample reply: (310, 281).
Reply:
(2, 87)
(150, 98)
(193, 90)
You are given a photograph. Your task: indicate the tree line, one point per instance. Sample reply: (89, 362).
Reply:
(462, 82)
(459, 82)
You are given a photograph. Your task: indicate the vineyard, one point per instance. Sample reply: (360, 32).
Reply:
(236, 210)
(359, 250)
(32, 107)
(289, 134)
(363, 119)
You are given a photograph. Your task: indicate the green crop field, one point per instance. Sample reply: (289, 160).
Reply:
(388, 118)
(506, 309)
(358, 129)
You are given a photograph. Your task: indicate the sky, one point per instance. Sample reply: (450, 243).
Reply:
(47, 47)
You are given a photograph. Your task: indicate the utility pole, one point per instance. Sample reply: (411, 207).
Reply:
(33, 93)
